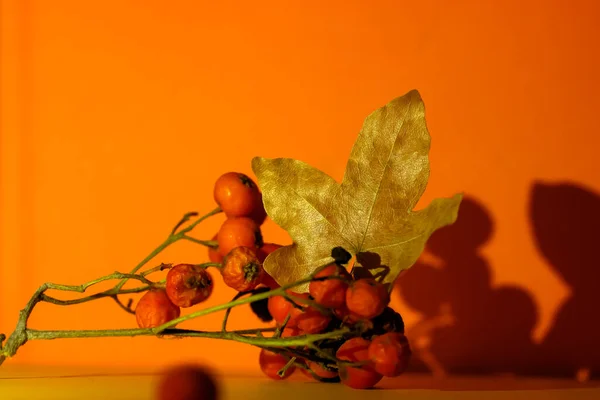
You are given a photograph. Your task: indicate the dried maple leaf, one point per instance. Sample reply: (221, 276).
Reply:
(370, 214)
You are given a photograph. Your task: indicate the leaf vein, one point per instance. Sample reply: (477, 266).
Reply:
(397, 243)
(323, 216)
(387, 163)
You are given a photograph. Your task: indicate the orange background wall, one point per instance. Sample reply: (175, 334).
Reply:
(117, 117)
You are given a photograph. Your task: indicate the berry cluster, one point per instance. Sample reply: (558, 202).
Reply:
(238, 255)
(375, 346)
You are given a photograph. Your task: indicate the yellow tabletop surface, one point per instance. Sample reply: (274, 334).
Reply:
(32, 383)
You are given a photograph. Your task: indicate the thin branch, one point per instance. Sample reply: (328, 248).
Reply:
(126, 308)
(305, 340)
(279, 291)
(169, 241)
(183, 220)
(288, 365)
(208, 243)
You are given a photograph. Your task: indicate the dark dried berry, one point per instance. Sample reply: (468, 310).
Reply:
(261, 307)
(340, 255)
(388, 321)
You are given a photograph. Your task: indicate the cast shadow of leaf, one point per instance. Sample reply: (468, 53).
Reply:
(565, 219)
(468, 326)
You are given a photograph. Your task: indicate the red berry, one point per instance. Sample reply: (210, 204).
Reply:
(213, 254)
(259, 215)
(319, 370)
(311, 320)
(344, 315)
(306, 319)
(388, 321)
(363, 377)
(236, 194)
(266, 249)
(187, 382)
(332, 292)
(188, 285)
(290, 332)
(241, 269)
(236, 232)
(279, 308)
(269, 282)
(262, 254)
(366, 298)
(271, 363)
(155, 308)
(390, 353)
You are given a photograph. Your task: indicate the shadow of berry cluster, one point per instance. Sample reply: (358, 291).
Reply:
(471, 326)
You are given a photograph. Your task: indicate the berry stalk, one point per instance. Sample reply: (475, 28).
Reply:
(22, 333)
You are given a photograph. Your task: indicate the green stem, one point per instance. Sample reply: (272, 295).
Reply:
(19, 336)
(208, 243)
(311, 303)
(261, 296)
(173, 237)
(228, 311)
(170, 240)
(186, 217)
(32, 334)
(281, 327)
(202, 218)
(158, 268)
(209, 264)
(125, 307)
(288, 365)
(108, 293)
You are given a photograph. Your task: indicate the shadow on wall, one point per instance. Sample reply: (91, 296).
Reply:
(470, 327)
(566, 220)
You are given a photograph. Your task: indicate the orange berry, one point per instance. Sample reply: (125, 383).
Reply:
(188, 285)
(388, 321)
(241, 269)
(236, 232)
(344, 315)
(269, 282)
(332, 292)
(311, 320)
(262, 254)
(363, 377)
(319, 370)
(279, 308)
(367, 298)
(155, 308)
(236, 194)
(271, 363)
(266, 249)
(290, 332)
(259, 215)
(390, 353)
